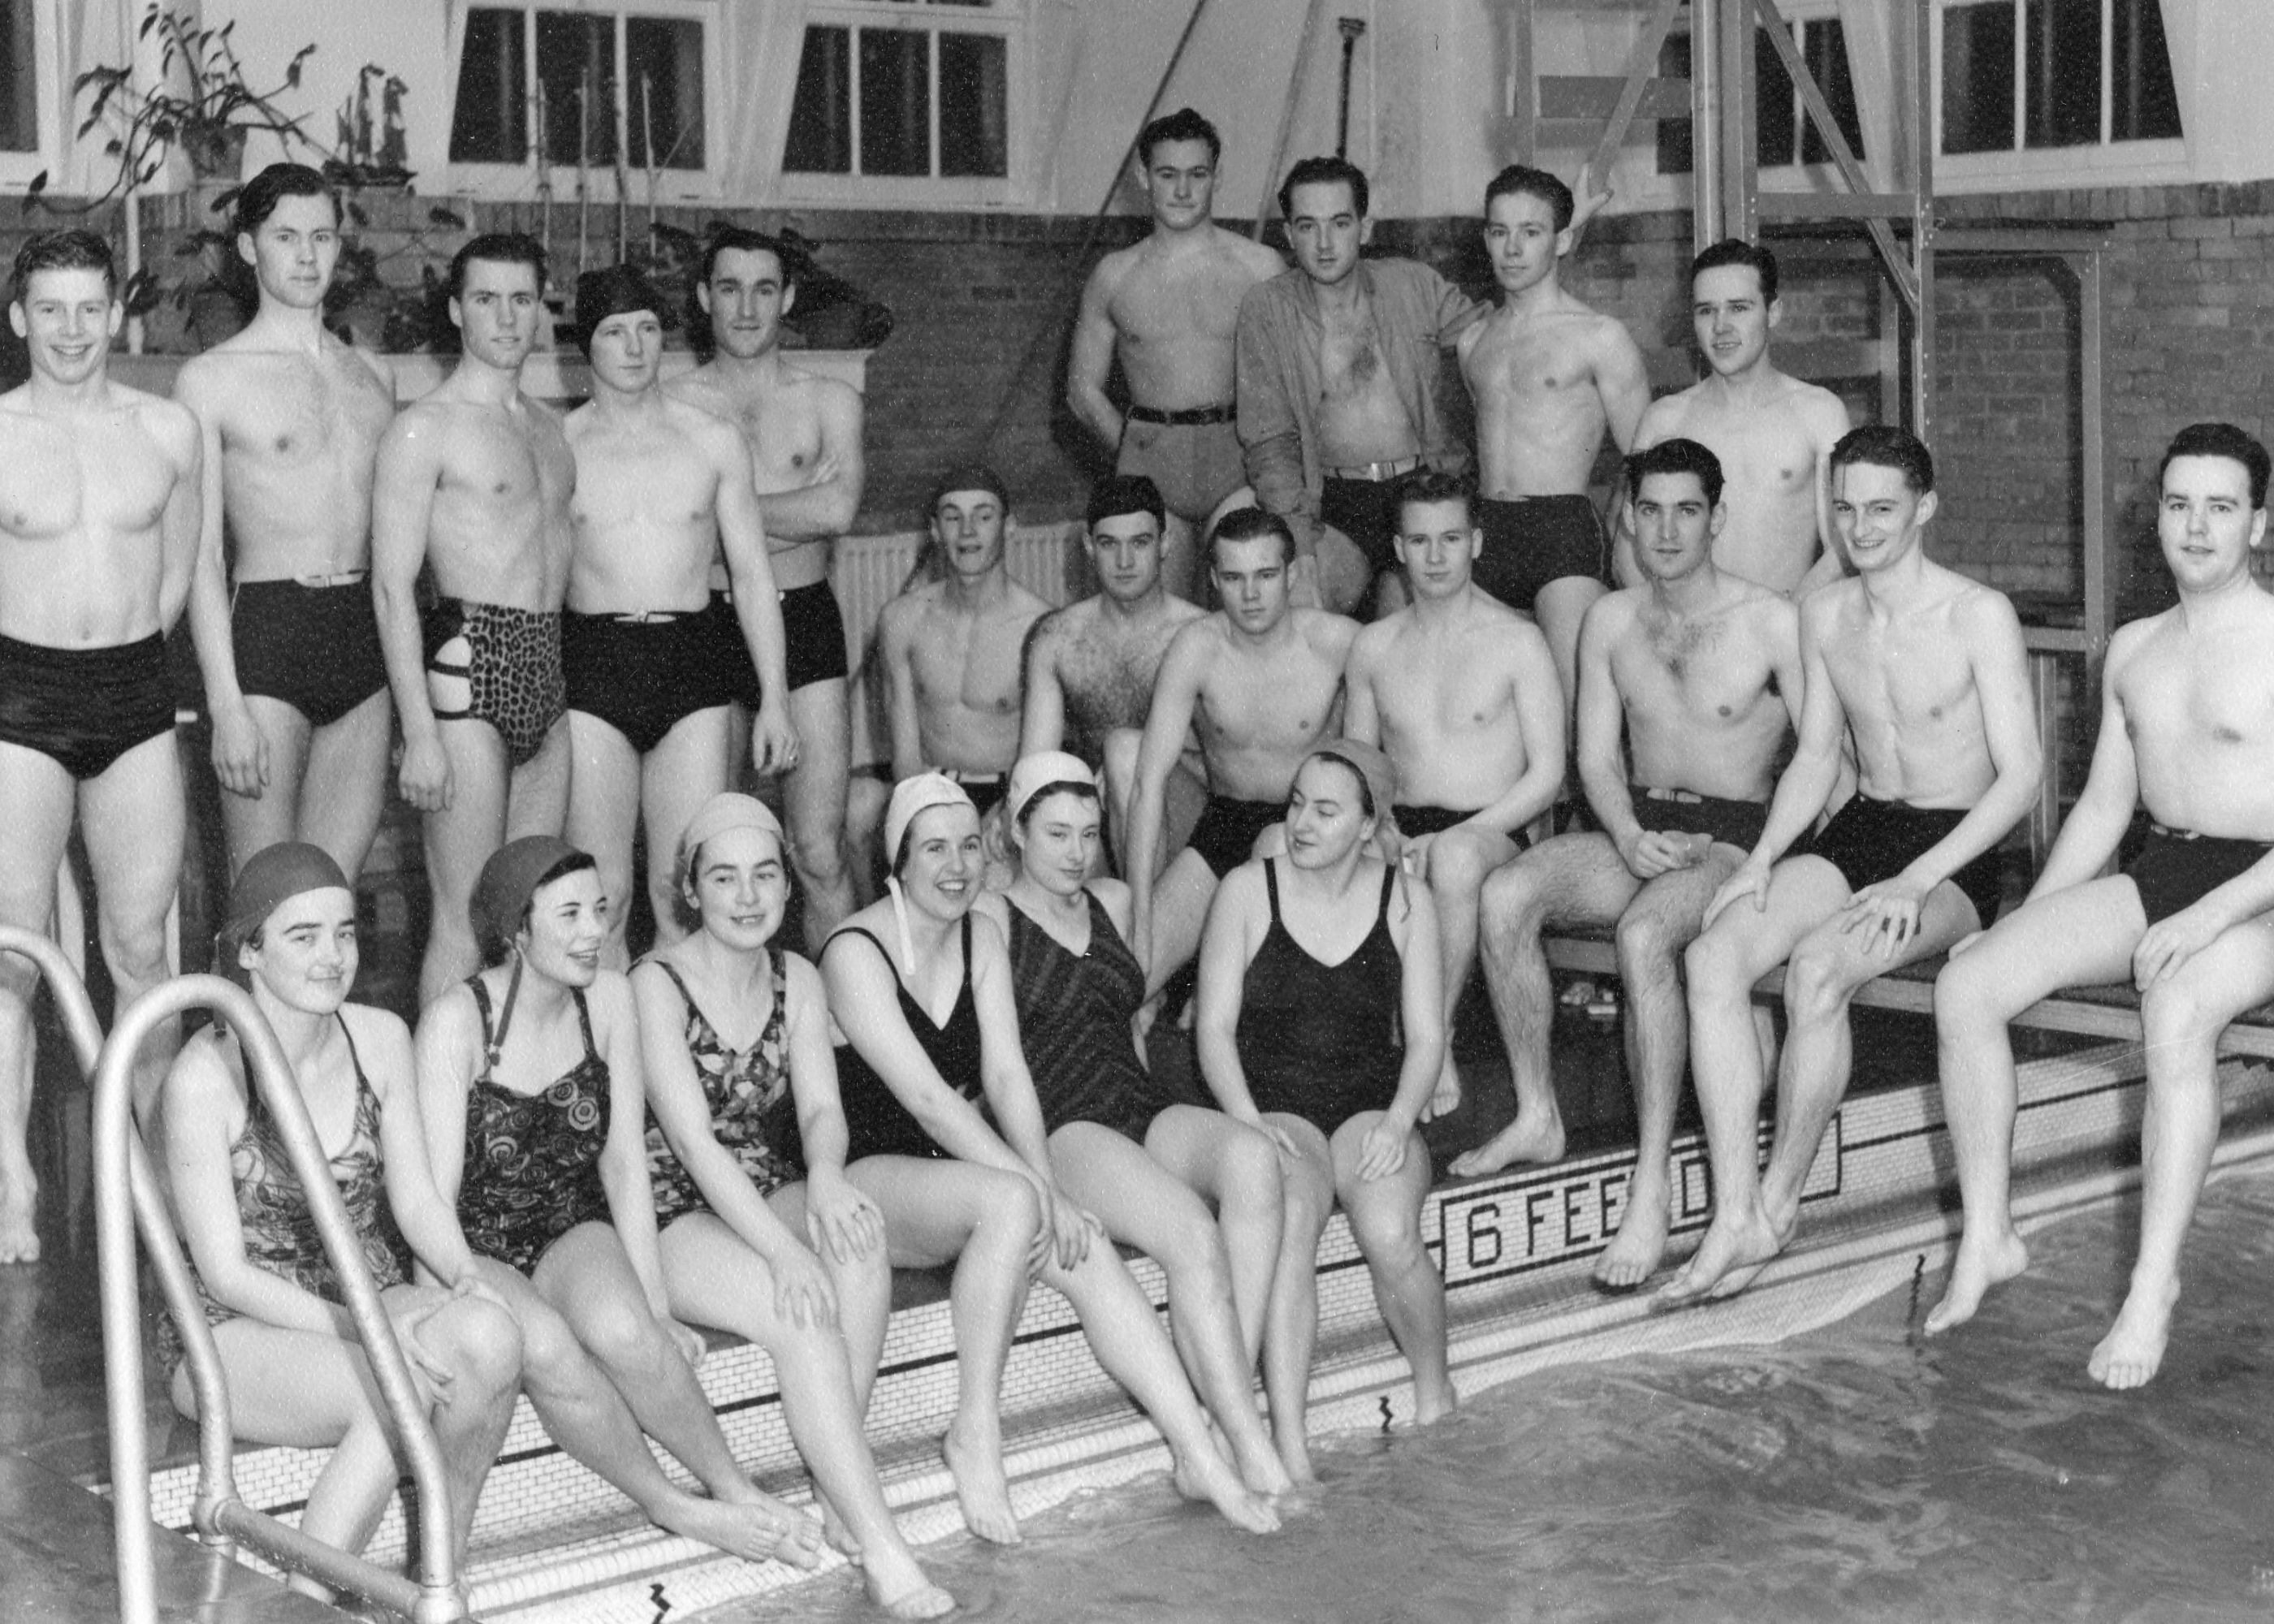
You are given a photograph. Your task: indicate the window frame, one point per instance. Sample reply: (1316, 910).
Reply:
(520, 180)
(49, 113)
(1005, 19)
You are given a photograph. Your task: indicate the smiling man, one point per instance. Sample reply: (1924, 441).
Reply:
(99, 524)
(2187, 732)
(474, 481)
(1166, 309)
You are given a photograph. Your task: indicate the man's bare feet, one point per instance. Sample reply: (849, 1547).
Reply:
(2133, 1350)
(975, 1460)
(1739, 1244)
(19, 1233)
(1979, 1265)
(897, 1584)
(1524, 1140)
(1633, 1255)
(1205, 1475)
(753, 1531)
(1447, 1097)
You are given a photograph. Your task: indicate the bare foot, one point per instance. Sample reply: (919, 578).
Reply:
(1633, 1254)
(1447, 1098)
(1978, 1265)
(1260, 1469)
(897, 1584)
(1205, 1475)
(2134, 1348)
(1739, 1244)
(20, 1234)
(1524, 1140)
(833, 1529)
(976, 1462)
(1295, 1455)
(753, 1530)
(1433, 1404)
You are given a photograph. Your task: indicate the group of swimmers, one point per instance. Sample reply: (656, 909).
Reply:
(1799, 739)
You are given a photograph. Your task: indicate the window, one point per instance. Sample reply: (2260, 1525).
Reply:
(30, 98)
(912, 89)
(593, 83)
(1783, 133)
(2020, 75)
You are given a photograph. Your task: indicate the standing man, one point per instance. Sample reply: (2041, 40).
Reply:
(474, 481)
(950, 647)
(1260, 682)
(1774, 433)
(2187, 731)
(1167, 309)
(1550, 376)
(1091, 667)
(291, 418)
(1924, 670)
(1340, 380)
(1460, 692)
(662, 488)
(804, 432)
(1704, 670)
(99, 526)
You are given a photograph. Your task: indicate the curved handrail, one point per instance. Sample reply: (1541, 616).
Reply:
(121, 1171)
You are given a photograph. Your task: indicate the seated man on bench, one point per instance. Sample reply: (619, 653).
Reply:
(2187, 730)
(1924, 670)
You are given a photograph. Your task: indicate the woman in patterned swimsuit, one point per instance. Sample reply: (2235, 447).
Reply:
(289, 1348)
(529, 1079)
(946, 1137)
(738, 1187)
(1122, 1145)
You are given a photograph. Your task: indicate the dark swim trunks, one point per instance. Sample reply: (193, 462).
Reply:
(315, 648)
(1225, 835)
(1365, 510)
(2178, 869)
(85, 707)
(1536, 540)
(1414, 822)
(643, 676)
(1193, 457)
(986, 789)
(1871, 841)
(512, 671)
(813, 635)
(1680, 811)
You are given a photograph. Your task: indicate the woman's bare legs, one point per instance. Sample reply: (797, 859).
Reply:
(1291, 1327)
(864, 1296)
(1237, 1168)
(1385, 1220)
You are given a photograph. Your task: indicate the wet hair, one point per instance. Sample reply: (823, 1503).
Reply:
(1058, 786)
(1323, 172)
(2219, 439)
(1882, 445)
(610, 292)
(1433, 485)
(1183, 124)
(1118, 494)
(1738, 251)
(1327, 752)
(495, 946)
(1676, 456)
(261, 195)
(725, 239)
(74, 250)
(1251, 524)
(497, 248)
(1522, 180)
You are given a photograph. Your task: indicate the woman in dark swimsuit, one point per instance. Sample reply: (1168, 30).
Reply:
(289, 1348)
(1121, 1144)
(946, 1139)
(528, 1077)
(1311, 966)
(746, 1153)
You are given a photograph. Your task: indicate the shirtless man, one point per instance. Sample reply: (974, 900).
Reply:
(950, 647)
(99, 524)
(475, 480)
(804, 432)
(295, 682)
(1260, 682)
(1773, 433)
(2187, 731)
(1703, 670)
(1340, 368)
(1459, 692)
(662, 488)
(1166, 309)
(1550, 376)
(1922, 669)
(1090, 666)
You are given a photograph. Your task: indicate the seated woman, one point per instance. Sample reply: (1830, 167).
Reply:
(1309, 971)
(746, 1154)
(529, 1079)
(931, 1070)
(1120, 1145)
(295, 1368)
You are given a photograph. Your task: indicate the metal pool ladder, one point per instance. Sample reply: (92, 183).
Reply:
(126, 1197)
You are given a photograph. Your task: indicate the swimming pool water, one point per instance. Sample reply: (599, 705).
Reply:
(1860, 1472)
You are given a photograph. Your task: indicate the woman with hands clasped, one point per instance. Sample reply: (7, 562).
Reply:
(1320, 1022)
(946, 1138)
(746, 1155)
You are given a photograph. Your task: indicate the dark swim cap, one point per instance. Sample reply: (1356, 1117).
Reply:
(509, 879)
(610, 292)
(273, 877)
